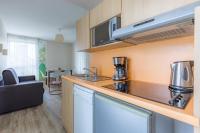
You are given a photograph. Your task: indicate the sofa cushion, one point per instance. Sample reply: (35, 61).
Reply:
(10, 77)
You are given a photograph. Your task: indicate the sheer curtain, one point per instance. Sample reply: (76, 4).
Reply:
(22, 55)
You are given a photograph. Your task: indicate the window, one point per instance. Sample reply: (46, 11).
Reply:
(22, 55)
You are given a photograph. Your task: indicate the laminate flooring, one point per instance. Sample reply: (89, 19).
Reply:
(45, 118)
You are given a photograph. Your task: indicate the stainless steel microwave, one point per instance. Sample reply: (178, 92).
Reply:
(102, 34)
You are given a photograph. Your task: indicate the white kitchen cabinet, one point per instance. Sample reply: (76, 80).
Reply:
(83, 110)
(113, 116)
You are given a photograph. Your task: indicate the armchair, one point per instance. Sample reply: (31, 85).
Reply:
(19, 92)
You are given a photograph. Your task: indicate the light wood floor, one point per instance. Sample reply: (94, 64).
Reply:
(41, 119)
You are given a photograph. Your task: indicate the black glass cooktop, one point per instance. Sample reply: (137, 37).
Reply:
(154, 92)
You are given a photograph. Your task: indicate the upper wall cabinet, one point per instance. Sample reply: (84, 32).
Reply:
(83, 34)
(134, 11)
(104, 11)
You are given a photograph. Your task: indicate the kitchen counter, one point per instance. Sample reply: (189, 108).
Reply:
(183, 115)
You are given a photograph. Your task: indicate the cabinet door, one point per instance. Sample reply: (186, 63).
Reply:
(83, 34)
(96, 15)
(110, 8)
(132, 11)
(67, 105)
(104, 11)
(156, 7)
(179, 3)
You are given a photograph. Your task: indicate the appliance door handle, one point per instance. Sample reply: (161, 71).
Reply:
(110, 28)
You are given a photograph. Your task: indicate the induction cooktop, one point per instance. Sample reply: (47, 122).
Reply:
(154, 92)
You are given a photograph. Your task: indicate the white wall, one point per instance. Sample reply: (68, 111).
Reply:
(80, 61)
(59, 55)
(3, 40)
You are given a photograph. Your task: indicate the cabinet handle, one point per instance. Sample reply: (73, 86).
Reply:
(144, 22)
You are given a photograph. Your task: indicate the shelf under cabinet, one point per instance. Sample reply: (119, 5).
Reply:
(110, 46)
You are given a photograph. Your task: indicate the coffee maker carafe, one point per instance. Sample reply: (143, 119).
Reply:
(120, 64)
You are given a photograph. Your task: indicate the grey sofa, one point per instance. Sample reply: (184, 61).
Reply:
(19, 92)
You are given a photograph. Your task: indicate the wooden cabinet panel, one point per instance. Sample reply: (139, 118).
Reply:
(96, 15)
(179, 3)
(67, 105)
(104, 11)
(83, 33)
(156, 7)
(110, 8)
(134, 11)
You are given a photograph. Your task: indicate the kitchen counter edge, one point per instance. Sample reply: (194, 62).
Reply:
(183, 115)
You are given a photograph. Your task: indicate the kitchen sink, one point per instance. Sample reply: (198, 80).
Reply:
(91, 78)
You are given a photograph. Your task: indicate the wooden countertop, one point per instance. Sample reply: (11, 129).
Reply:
(183, 115)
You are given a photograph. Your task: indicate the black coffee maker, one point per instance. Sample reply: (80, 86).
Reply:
(121, 67)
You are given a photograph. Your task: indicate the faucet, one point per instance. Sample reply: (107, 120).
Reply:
(94, 72)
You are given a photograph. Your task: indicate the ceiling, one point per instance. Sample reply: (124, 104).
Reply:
(43, 18)
(87, 4)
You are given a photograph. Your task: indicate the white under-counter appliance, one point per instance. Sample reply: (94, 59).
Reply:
(83, 109)
(114, 116)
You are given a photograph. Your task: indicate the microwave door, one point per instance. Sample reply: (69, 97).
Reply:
(112, 27)
(102, 34)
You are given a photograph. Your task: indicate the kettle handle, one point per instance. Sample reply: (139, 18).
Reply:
(189, 76)
(172, 67)
(172, 72)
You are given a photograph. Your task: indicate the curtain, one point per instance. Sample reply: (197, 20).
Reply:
(42, 58)
(23, 55)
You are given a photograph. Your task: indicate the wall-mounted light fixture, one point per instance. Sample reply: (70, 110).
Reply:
(4, 52)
